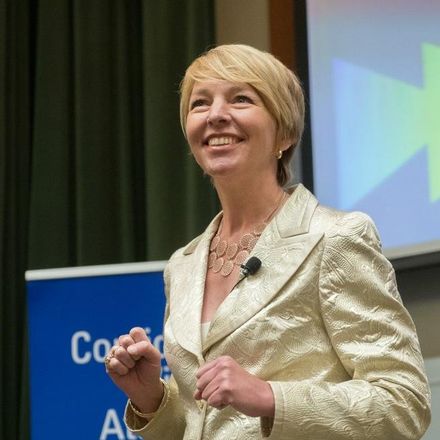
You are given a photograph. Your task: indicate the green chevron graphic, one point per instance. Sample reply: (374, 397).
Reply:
(398, 119)
(430, 98)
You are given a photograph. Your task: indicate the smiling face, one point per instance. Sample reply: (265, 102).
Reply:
(230, 131)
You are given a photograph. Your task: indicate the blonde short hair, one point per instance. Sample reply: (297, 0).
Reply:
(278, 87)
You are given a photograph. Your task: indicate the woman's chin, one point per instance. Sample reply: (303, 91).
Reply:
(221, 169)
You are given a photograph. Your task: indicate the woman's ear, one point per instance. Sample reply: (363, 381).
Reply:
(285, 144)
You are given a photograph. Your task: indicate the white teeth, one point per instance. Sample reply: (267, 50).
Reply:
(224, 140)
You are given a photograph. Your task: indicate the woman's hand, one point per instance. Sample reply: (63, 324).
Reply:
(223, 382)
(134, 365)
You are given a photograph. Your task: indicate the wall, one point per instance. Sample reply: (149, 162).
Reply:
(244, 21)
(420, 290)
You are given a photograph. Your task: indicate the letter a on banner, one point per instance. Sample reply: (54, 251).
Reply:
(111, 426)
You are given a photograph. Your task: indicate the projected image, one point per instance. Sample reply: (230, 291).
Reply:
(375, 107)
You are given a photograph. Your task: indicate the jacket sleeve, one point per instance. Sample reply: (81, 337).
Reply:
(374, 337)
(168, 422)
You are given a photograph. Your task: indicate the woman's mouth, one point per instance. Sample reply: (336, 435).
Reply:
(220, 141)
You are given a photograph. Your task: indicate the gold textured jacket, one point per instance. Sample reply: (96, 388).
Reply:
(321, 321)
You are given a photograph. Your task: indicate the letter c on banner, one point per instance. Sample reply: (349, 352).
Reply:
(75, 349)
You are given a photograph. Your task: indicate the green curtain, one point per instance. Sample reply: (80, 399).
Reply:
(15, 147)
(94, 168)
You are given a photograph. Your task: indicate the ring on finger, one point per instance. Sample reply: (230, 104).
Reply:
(109, 357)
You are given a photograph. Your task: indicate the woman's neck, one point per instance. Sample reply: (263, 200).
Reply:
(248, 204)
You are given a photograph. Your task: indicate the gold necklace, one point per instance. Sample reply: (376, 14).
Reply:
(225, 255)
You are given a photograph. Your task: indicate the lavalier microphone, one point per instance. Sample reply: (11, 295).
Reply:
(251, 266)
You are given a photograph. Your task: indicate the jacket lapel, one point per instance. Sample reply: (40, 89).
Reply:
(282, 248)
(188, 284)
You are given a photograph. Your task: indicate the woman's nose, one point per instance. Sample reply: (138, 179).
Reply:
(218, 113)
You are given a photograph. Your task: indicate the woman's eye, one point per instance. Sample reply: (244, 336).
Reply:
(197, 103)
(241, 99)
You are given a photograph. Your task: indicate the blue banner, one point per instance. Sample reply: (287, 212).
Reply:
(73, 322)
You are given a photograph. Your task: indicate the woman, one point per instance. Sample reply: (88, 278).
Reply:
(316, 343)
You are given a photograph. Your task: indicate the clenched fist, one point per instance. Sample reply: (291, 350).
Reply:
(224, 382)
(134, 365)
